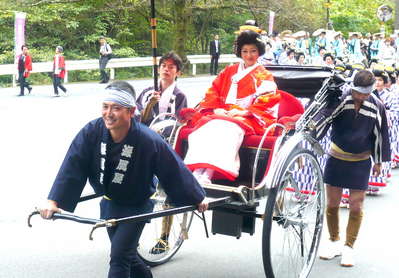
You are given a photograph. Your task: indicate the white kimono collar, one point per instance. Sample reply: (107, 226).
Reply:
(241, 73)
(165, 98)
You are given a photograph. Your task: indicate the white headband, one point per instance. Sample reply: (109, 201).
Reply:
(363, 90)
(120, 97)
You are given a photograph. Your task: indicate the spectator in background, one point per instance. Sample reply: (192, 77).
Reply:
(329, 60)
(277, 46)
(105, 56)
(318, 60)
(214, 49)
(58, 70)
(300, 58)
(283, 57)
(354, 48)
(301, 42)
(386, 54)
(375, 46)
(321, 42)
(268, 57)
(291, 57)
(24, 69)
(338, 46)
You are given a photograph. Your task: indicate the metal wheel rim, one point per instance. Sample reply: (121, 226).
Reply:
(298, 219)
(152, 233)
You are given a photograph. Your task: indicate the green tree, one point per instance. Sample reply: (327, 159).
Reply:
(358, 15)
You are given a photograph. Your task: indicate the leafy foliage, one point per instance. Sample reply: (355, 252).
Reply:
(185, 26)
(358, 15)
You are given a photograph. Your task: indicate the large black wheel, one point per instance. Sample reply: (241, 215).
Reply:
(294, 217)
(163, 237)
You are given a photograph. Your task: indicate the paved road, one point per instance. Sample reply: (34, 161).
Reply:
(36, 131)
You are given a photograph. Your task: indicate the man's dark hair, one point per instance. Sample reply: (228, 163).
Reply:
(289, 51)
(122, 85)
(382, 74)
(328, 55)
(24, 45)
(174, 57)
(298, 55)
(364, 78)
(392, 77)
(249, 37)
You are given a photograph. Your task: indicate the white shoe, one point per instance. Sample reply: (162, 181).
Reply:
(347, 258)
(330, 250)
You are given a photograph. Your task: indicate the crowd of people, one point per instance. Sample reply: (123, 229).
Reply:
(327, 48)
(120, 156)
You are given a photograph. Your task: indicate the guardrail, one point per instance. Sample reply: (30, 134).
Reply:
(11, 69)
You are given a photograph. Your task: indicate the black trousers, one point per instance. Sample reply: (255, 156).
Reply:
(214, 64)
(23, 83)
(103, 64)
(125, 262)
(57, 84)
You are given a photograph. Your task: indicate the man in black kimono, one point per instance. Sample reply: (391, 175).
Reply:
(120, 157)
(359, 143)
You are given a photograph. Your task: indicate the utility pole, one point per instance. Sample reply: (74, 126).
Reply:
(328, 4)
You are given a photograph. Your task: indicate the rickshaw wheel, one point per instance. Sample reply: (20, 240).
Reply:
(293, 217)
(153, 248)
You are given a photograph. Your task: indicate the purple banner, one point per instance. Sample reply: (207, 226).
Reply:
(19, 32)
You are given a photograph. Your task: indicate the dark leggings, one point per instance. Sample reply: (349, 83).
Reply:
(57, 84)
(23, 83)
(125, 262)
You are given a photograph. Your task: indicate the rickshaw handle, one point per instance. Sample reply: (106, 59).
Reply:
(66, 216)
(99, 223)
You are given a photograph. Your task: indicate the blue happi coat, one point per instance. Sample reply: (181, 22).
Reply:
(130, 182)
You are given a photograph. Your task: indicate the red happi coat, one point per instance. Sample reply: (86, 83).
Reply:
(260, 115)
(61, 66)
(28, 65)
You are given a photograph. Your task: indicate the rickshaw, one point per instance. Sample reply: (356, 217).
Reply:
(281, 168)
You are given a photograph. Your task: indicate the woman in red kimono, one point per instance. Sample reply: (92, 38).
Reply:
(241, 101)
(58, 70)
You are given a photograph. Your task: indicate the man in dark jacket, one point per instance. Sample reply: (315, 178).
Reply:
(214, 50)
(120, 157)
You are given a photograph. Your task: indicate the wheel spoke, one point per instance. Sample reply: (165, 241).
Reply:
(298, 214)
(155, 247)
